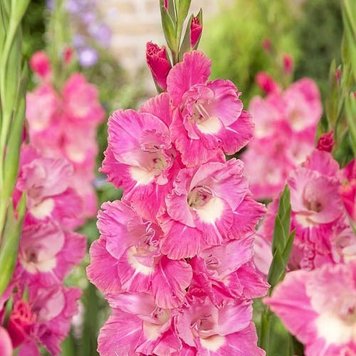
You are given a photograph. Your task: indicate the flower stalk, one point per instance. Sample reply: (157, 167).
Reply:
(12, 113)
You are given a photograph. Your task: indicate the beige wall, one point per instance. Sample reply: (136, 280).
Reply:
(135, 22)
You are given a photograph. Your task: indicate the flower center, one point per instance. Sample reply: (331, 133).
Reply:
(161, 316)
(203, 327)
(200, 114)
(199, 196)
(313, 205)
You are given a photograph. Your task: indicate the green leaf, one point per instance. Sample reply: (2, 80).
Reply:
(282, 222)
(169, 28)
(183, 9)
(9, 247)
(185, 46)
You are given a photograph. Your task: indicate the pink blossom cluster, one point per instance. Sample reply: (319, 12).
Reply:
(63, 122)
(175, 255)
(285, 128)
(36, 309)
(317, 299)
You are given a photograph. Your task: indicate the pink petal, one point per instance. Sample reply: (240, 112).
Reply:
(228, 106)
(237, 135)
(113, 220)
(120, 334)
(170, 282)
(159, 106)
(181, 241)
(192, 151)
(291, 303)
(5, 343)
(102, 270)
(194, 69)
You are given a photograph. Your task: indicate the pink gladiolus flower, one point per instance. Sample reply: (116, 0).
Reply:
(41, 106)
(347, 189)
(63, 125)
(212, 331)
(41, 65)
(134, 245)
(138, 325)
(175, 256)
(201, 211)
(52, 310)
(196, 30)
(285, 127)
(318, 307)
(303, 104)
(140, 156)
(46, 183)
(226, 272)
(47, 253)
(5, 343)
(81, 101)
(159, 64)
(323, 234)
(326, 142)
(208, 116)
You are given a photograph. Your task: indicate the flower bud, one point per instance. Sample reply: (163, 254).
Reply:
(288, 64)
(67, 55)
(41, 65)
(196, 29)
(159, 64)
(266, 83)
(326, 142)
(20, 323)
(267, 45)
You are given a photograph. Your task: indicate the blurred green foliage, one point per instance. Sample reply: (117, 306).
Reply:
(34, 28)
(234, 40)
(319, 32)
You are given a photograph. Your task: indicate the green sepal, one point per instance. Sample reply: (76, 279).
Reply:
(10, 245)
(169, 27)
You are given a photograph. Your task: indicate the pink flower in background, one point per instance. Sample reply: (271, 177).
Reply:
(42, 104)
(347, 188)
(208, 116)
(323, 233)
(40, 64)
(46, 182)
(5, 343)
(47, 253)
(266, 83)
(285, 128)
(158, 61)
(53, 309)
(63, 125)
(288, 64)
(326, 142)
(318, 307)
(81, 103)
